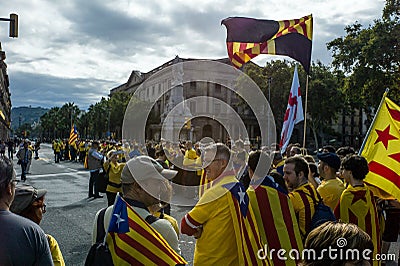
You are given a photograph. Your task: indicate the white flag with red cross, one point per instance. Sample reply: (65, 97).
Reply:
(294, 112)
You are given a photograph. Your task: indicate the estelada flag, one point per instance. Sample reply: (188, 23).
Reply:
(73, 135)
(276, 220)
(381, 149)
(246, 230)
(132, 241)
(249, 37)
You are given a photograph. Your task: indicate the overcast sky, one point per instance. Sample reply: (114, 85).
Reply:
(76, 51)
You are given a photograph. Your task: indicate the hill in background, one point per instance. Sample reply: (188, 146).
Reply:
(26, 114)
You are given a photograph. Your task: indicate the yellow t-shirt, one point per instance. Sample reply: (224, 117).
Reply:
(56, 254)
(217, 244)
(330, 191)
(114, 175)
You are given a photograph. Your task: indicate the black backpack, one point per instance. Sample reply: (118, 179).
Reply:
(99, 254)
(322, 213)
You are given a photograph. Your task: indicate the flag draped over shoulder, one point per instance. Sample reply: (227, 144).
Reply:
(73, 135)
(246, 231)
(381, 149)
(276, 221)
(132, 241)
(204, 184)
(249, 37)
(294, 112)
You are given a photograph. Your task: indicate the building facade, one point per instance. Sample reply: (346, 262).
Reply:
(210, 109)
(5, 100)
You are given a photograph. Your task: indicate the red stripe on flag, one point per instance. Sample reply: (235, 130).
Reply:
(254, 232)
(122, 254)
(245, 233)
(395, 156)
(304, 27)
(264, 206)
(385, 172)
(229, 46)
(241, 225)
(159, 244)
(307, 211)
(395, 114)
(243, 46)
(142, 249)
(284, 201)
(353, 218)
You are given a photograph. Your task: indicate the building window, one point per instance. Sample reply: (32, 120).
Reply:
(192, 107)
(159, 89)
(217, 88)
(193, 85)
(217, 108)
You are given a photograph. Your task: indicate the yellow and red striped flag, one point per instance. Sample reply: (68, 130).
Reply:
(246, 230)
(73, 135)
(249, 37)
(381, 149)
(357, 206)
(204, 183)
(276, 221)
(132, 241)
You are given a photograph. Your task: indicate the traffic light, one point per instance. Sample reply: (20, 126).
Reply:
(13, 25)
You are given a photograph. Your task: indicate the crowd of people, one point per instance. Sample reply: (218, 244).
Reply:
(281, 192)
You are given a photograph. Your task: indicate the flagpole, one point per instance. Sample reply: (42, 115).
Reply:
(373, 121)
(305, 115)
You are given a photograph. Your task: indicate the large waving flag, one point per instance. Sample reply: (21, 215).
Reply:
(73, 135)
(381, 149)
(276, 220)
(294, 112)
(246, 231)
(132, 241)
(248, 37)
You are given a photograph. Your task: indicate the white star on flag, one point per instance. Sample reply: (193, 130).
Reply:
(241, 195)
(119, 219)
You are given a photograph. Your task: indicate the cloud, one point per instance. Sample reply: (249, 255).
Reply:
(75, 51)
(49, 91)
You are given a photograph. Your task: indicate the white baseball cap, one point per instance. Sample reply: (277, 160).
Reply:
(143, 167)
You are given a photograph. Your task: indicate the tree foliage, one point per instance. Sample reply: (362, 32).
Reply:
(370, 59)
(324, 96)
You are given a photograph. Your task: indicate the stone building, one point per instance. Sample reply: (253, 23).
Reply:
(5, 100)
(212, 117)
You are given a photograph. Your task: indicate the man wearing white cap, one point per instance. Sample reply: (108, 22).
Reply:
(145, 183)
(22, 242)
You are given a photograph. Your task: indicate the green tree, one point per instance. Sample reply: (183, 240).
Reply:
(117, 106)
(324, 101)
(370, 59)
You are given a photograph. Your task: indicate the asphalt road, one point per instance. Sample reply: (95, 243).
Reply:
(69, 217)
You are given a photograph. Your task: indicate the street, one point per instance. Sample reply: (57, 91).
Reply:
(69, 216)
